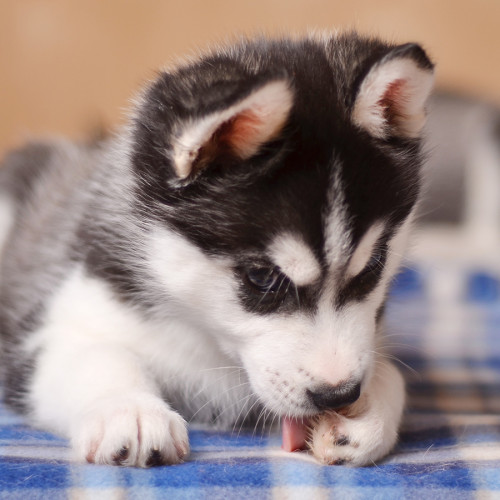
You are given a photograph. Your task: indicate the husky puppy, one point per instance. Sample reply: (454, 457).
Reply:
(225, 258)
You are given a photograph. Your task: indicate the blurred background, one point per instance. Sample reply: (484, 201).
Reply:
(67, 65)
(71, 67)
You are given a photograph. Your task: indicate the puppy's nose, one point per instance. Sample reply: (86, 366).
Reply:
(329, 397)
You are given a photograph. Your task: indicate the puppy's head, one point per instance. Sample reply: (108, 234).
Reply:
(281, 178)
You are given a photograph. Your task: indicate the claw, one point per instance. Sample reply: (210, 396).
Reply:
(122, 455)
(155, 458)
(342, 441)
(339, 461)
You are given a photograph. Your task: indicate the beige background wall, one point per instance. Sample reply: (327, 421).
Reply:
(69, 65)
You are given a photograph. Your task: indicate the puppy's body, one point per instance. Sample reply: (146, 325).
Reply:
(224, 259)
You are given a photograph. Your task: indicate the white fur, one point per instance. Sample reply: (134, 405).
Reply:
(368, 111)
(364, 250)
(337, 231)
(398, 246)
(270, 105)
(295, 259)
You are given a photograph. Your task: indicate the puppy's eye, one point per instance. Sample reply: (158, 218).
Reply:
(265, 279)
(264, 288)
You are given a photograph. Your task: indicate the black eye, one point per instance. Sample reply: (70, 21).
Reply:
(264, 288)
(265, 279)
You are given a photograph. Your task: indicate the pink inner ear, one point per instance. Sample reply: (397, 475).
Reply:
(244, 133)
(241, 135)
(394, 102)
(238, 131)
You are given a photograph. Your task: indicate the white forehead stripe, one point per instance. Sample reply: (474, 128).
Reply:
(365, 248)
(295, 259)
(337, 229)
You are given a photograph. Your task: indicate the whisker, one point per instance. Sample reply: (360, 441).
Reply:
(246, 416)
(234, 368)
(219, 395)
(241, 411)
(397, 360)
(387, 335)
(262, 412)
(406, 346)
(275, 415)
(297, 294)
(266, 292)
(215, 381)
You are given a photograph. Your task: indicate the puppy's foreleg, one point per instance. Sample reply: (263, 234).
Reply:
(102, 397)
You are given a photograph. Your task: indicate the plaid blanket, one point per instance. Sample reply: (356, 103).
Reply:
(447, 340)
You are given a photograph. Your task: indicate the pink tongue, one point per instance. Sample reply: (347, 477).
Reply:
(293, 434)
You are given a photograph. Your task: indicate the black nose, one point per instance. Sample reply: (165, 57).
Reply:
(329, 397)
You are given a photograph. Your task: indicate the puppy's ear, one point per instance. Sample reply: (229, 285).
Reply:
(238, 130)
(390, 101)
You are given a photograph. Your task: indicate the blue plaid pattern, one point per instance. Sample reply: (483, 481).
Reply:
(449, 348)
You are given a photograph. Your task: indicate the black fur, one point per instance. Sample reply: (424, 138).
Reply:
(236, 207)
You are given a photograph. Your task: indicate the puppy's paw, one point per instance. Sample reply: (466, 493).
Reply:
(140, 431)
(337, 439)
(364, 432)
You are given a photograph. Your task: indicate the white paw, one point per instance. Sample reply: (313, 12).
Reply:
(364, 432)
(140, 431)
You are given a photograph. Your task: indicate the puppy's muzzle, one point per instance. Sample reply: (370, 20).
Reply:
(329, 397)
